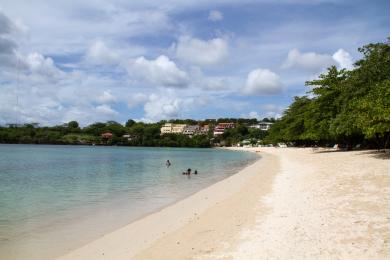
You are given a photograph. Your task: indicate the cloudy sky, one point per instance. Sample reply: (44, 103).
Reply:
(150, 60)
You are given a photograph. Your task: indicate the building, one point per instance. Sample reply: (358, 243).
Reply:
(191, 130)
(264, 126)
(221, 127)
(129, 137)
(166, 129)
(170, 128)
(204, 130)
(107, 135)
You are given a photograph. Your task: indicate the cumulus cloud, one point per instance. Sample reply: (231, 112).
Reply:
(203, 53)
(262, 82)
(309, 60)
(343, 58)
(98, 53)
(107, 97)
(160, 107)
(161, 71)
(316, 62)
(215, 15)
(43, 66)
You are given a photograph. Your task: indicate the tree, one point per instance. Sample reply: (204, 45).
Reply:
(73, 124)
(130, 123)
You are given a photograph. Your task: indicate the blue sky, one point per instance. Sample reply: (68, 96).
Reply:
(151, 60)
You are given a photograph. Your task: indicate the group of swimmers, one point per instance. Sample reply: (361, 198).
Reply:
(188, 172)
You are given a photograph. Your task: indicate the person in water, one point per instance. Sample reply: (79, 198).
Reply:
(196, 172)
(168, 163)
(189, 171)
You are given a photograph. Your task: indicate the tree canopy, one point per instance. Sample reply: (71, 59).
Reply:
(346, 107)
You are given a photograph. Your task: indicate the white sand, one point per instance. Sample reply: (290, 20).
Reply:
(292, 204)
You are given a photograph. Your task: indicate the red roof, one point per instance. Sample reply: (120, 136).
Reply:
(107, 135)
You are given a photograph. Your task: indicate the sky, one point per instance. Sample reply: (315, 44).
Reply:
(95, 60)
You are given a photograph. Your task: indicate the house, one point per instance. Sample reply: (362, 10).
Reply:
(170, 128)
(107, 135)
(264, 126)
(221, 127)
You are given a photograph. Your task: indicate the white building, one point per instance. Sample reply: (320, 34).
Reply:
(169, 128)
(264, 126)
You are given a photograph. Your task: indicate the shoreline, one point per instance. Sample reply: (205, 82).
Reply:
(120, 243)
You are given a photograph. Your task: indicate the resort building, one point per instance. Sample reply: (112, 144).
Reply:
(170, 128)
(191, 130)
(204, 130)
(221, 127)
(264, 126)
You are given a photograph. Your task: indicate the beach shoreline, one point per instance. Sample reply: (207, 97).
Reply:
(294, 203)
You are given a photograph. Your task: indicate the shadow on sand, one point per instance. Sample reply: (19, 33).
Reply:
(373, 153)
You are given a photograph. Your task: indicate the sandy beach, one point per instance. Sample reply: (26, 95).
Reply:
(291, 204)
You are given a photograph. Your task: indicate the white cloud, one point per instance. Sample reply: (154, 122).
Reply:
(316, 62)
(262, 82)
(252, 114)
(215, 83)
(272, 110)
(106, 110)
(98, 53)
(107, 97)
(203, 53)
(136, 99)
(160, 107)
(42, 66)
(343, 58)
(310, 61)
(161, 71)
(267, 110)
(215, 15)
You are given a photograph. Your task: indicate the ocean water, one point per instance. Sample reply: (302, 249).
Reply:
(57, 198)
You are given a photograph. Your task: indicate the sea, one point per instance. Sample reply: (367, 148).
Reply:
(56, 198)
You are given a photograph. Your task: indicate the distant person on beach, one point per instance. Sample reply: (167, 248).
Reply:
(196, 172)
(168, 163)
(189, 171)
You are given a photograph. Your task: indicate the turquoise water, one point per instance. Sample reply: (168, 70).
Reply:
(56, 198)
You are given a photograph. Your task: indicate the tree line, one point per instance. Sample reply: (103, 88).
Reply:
(347, 107)
(132, 133)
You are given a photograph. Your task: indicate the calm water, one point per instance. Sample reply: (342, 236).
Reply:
(56, 198)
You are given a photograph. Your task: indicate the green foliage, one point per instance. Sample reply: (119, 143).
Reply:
(373, 115)
(130, 123)
(346, 107)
